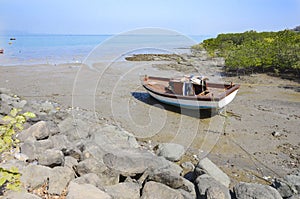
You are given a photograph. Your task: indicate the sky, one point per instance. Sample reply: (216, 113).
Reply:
(192, 17)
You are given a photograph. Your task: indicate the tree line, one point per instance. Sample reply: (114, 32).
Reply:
(259, 51)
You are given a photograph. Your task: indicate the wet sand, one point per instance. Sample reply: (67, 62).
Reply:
(239, 140)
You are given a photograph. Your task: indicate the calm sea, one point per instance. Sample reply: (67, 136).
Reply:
(55, 49)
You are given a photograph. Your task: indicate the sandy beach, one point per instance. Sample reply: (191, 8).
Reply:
(255, 138)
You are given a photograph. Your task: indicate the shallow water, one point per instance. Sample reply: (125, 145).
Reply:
(56, 49)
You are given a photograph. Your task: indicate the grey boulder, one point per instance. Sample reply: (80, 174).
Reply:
(59, 179)
(91, 165)
(39, 131)
(70, 162)
(130, 162)
(20, 195)
(84, 191)
(90, 178)
(294, 180)
(51, 158)
(171, 151)
(253, 191)
(284, 188)
(205, 183)
(124, 190)
(205, 165)
(155, 190)
(34, 176)
(33, 149)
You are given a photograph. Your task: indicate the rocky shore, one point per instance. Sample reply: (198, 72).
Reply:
(62, 156)
(186, 63)
(94, 152)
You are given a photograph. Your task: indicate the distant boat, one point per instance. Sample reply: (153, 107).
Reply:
(12, 38)
(1, 50)
(190, 92)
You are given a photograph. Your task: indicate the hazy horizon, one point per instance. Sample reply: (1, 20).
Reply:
(107, 17)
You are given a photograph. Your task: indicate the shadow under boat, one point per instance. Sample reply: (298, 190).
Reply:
(196, 113)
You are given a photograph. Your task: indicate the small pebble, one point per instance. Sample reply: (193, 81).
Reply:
(276, 133)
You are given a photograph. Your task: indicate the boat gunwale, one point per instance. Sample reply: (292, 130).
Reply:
(194, 97)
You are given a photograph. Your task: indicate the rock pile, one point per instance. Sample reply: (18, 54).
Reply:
(68, 153)
(187, 63)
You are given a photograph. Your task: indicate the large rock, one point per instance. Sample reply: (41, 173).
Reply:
(171, 177)
(84, 191)
(73, 152)
(47, 107)
(90, 178)
(95, 150)
(5, 91)
(32, 148)
(53, 128)
(5, 108)
(118, 136)
(208, 167)
(284, 188)
(70, 162)
(205, 182)
(215, 193)
(187, 195)
(294, 180)
(60, 142)
(287, 186)
(39, 131)
(254, 191)
(51, 158)
(132, 162)
(20, 195)
(14, 102)
(167, 177)
(171, 151)
(74, 129)
(295, 197)
(155, 190)
(91, 165)
(59, 179)
(34, 176)
(124, 190)
(8, 164)
(188, 189)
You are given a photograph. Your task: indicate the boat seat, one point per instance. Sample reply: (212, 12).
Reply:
(204, 93)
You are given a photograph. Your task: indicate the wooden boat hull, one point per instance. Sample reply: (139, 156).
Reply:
(193, 102)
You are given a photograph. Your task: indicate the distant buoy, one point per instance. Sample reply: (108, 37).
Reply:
(10, 43)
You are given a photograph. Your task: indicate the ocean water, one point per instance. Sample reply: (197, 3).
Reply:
(56, 49)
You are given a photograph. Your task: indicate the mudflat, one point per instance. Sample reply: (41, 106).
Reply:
(254, 138)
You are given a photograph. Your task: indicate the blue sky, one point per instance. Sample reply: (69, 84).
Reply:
(114, 16)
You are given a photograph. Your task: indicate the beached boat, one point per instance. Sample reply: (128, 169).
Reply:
(190, 92)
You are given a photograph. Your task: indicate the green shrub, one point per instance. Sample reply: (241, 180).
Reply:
(10, 124)
(259, 51)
